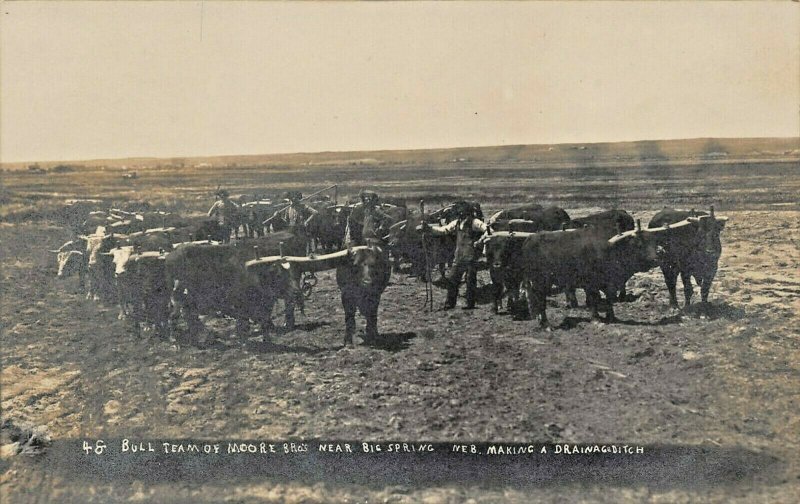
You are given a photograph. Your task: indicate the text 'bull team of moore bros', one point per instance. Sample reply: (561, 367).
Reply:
(164, 270)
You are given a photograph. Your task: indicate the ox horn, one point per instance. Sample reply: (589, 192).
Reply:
(280, 249)
(712, 212)
(255, 251)
(638, 225)
(53, 251)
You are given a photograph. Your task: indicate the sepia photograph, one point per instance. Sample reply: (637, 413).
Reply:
(399, 252)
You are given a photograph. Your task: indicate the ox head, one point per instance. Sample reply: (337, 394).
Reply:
(69, 263)
(494, 248)
(370, 265)
(709, 228)
(639, 247)
(120, 256)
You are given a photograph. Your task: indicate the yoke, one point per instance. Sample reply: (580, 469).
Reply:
(311, 263)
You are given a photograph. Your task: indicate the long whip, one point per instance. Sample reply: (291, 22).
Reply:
(428, 273)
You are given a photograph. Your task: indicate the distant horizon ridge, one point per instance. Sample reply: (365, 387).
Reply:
(326, 154)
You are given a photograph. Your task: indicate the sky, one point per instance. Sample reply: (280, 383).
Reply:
(113, 79)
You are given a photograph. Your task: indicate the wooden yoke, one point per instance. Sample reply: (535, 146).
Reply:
(313, 264)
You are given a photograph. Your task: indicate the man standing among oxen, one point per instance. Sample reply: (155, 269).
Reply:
(373, 220)
(226, 213)
(468, 228)
(297, 215)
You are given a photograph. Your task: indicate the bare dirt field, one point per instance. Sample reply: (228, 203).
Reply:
(714, 398)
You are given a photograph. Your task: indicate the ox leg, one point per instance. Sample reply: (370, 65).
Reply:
(497, 290)
(572, 298)
(688, 291)
(671, 278)
(542, 299)
(349, 305)
(705, 287)
(158, 313)
(537, 305)
(288, 311)
(610, 293)
(623, 294)
(370, 312)
(593, 300)
(193, 323)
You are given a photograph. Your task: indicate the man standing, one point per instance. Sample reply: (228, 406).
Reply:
(467, 228)
(296, 216)
(226, 213)
(374, 219)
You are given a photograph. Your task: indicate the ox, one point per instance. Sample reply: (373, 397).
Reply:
(691, 249)
(609, 223)
(71, 260)
(362, 279)
(99, 265)
(584, 258)
(142, 291)
(209, 279)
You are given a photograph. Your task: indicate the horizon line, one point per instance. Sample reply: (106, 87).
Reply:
(422, 149)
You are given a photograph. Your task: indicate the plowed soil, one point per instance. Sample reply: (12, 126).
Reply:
(726, 380)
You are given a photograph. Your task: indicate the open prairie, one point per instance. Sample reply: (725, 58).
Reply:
(721, 390)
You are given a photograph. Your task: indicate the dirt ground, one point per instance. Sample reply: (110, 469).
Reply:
(720, 390)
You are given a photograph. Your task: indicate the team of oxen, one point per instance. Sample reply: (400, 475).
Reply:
(161, 268)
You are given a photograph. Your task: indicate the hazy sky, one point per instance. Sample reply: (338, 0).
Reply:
(107, 79)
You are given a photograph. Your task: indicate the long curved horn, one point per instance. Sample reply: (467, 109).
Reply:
(398, 224)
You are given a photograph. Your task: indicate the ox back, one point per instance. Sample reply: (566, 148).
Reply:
(609, 222)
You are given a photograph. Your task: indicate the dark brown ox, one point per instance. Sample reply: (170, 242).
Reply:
(362, 279)
(142, 290)
(609, 223)
(692, 248)
(211, 279)
(587, 259)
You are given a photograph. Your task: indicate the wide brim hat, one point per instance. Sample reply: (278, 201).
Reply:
(369, 196)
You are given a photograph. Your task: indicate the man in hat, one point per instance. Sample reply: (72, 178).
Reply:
(226, 213)
(373, 220)
(297, 215)
(468, 228)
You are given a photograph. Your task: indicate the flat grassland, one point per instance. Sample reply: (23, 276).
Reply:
(726, 382)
